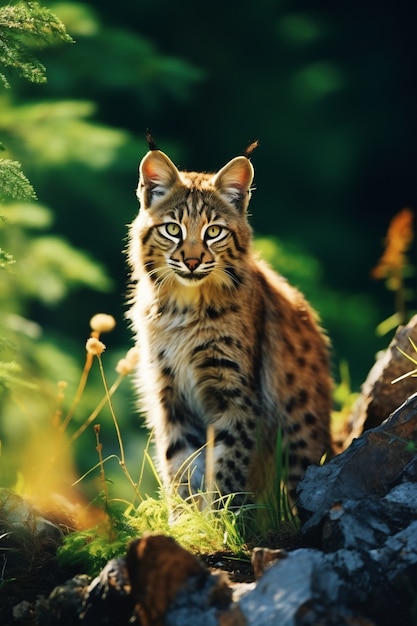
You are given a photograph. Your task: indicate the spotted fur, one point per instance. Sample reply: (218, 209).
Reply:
(223, 339)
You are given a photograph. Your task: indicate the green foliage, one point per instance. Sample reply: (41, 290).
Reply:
(199, 531)
(294, 87)
(10, 376)
(13, 183)
(341, 311)
(32, 359)
(47, 266)
(109, 60)
(22, 26)
(60, 134)
(132, 71)
(203, 523)
(5, 259)
(89, 550)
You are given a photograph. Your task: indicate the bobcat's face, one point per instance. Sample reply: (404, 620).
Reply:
(192, 228)
(194, 249)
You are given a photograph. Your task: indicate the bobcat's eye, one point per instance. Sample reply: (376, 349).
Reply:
(173, 229)
(213, 231)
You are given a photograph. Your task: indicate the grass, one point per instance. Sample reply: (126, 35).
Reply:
(204, 523)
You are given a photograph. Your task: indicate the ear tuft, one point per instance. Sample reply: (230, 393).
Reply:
(233, 182)
(151, 142)
(250, 148)
(157, 174)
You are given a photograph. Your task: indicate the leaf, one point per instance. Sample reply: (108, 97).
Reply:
(26, 215)
(21, 26)
(13, 183)
(59, 133)
(9, 376)
(58, 267)
(5, 258)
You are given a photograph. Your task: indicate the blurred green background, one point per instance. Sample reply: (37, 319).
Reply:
(327, 88)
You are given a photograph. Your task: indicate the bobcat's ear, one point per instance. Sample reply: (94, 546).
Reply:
(234, 180)
(157, 174)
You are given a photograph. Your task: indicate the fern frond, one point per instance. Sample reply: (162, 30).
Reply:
(22, 26)
(13, 183)
(6, 259)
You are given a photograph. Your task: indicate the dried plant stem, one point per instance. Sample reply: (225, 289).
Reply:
(410, 358)
(146, 458)
(96, 411)
(81, 386)
(93, 469)
(116, 425)
(56, 417)
(118, 433)
(99, 448)
(210, 463)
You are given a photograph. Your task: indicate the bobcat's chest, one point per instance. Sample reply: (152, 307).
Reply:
(172, 338)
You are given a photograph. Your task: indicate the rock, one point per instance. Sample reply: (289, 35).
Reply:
(358, 566)
(354, 585)
(374, 580)
(379, 396)
(233, 617)
(358, 584)
(108, 598)
(200, 601)
(170, 586)
(63, 604)
(262, 558)
(28, 544)
(158, 567)
(371, 466)
(282, 590)
(361, 510)
(19, 516)
(369, 522)
(23, 613)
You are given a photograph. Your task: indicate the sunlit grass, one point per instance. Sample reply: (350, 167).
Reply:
(413, 372)
(203, 522)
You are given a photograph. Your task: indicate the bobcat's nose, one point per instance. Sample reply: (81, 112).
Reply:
(192, 263)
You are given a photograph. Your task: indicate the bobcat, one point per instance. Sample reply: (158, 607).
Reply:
(223, 339)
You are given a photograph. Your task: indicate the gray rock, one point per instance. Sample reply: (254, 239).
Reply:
(282, 590)
(380, 459)
(197, 603)
(18, 515)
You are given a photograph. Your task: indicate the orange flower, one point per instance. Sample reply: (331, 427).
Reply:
(398, 240)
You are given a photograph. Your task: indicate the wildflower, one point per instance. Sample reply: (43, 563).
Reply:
(123, 367)
(133, 356)
(126, 365)
(94, 346)
(102, 323)
(397, 242)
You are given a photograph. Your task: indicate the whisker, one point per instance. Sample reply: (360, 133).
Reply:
(169, 276)
(232, 275)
